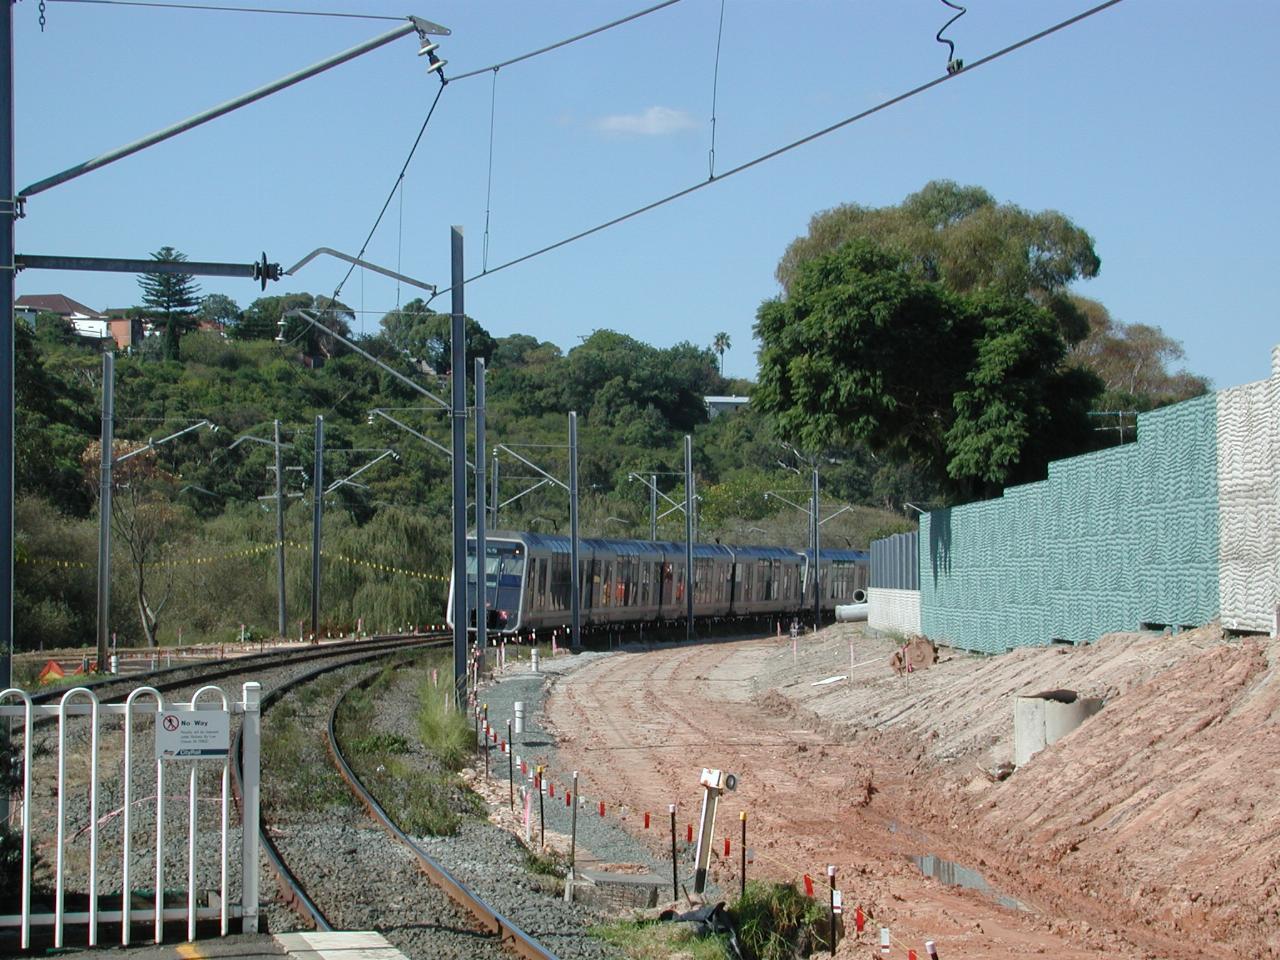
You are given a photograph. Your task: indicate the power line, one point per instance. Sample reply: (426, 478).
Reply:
(787, 148)
(400, 179)
(488, 193)
(568, 40)
(225, 9)
(715, 84)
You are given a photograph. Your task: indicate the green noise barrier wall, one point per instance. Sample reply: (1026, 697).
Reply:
(1110, 541)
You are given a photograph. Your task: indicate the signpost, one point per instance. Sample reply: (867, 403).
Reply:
(193, 735)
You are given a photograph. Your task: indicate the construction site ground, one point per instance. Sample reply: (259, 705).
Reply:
(1151, 831)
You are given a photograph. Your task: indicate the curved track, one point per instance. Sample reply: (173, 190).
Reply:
(500, 926)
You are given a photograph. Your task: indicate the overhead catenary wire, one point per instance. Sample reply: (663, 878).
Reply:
(951, 47)
(396, 186)
(568, 40)
(793, 145)
(228, 9)
(715, 85)
(488, 193)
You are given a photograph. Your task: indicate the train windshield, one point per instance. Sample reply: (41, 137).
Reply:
(502, 559)
(503, 578)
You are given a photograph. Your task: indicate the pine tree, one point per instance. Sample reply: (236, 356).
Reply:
(173, 296)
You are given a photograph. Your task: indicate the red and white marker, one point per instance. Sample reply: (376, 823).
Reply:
(884, 941)
(646, 819)
(932, 949)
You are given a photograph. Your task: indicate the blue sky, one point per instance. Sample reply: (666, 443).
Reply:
(1152, 125)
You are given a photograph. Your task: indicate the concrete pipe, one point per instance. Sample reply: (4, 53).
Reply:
(859, 596)
(848, 612)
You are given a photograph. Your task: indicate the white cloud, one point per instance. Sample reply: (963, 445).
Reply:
(653, 122)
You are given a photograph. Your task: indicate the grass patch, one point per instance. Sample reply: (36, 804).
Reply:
(388, 743)
(776, 921)
(419, 789)
(551, 863)
(444, 730)
(302, 776)
(658, 941)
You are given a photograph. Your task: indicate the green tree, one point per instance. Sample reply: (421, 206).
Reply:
(427, 337)
(973, 389)
(220, 309)
(1134, 361)
(720, 344)
(172, 297)
(961, 237)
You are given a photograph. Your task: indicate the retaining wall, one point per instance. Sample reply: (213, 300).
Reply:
(1177, 528)
(895, 610)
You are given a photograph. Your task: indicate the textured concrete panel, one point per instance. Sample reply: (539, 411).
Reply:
(1111, 540)
(1249, 502)
(893, 610)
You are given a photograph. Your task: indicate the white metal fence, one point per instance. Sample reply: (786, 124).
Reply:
(194, 734)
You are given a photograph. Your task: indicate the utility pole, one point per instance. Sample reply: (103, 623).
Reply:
(9, 213)
(493, 499)
(688, 536)
(653, 506)
(317, 517)
(458, 371)
(104, 504)
(281, 624)
(817, 556)
(482, 553)
(574, 575)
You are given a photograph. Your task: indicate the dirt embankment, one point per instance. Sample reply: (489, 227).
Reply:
(1158, 817)
(1149, 832)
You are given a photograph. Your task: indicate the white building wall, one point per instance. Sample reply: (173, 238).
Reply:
(1249, 502)
(893, 610)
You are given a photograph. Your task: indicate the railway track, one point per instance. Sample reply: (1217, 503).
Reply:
(342, 863)
(350, 865)
(502, 928)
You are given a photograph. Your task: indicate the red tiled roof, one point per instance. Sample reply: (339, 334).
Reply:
(56, 303)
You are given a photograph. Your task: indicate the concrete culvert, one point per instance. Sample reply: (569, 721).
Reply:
(1045, 718)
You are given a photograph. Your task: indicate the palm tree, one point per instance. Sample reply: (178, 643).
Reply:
(720, 345)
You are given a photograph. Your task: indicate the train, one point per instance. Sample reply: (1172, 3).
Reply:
(528, 581)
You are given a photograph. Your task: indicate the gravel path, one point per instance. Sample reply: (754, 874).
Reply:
(603, 840)
(490, 860)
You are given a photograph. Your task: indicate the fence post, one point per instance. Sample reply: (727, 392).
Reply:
(251, 747)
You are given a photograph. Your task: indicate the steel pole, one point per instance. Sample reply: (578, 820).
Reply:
(317, 518)
(8, 213)
(213, 113)
(458, 372)
(688, 537)
(281, 623)
(653, 506)
(574, 585)
(482, 553)
(104, 504)
(817, 557)
(493, 499)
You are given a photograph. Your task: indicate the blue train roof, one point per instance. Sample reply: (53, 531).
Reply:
(841, 555)
(765, 553)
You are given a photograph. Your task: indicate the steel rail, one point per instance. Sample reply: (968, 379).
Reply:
(230, 667)
(507, 932)
(294, 893)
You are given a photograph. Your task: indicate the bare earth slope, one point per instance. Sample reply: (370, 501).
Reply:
(1151, 831)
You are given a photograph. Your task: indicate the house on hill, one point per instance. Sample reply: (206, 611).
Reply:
(85, 321)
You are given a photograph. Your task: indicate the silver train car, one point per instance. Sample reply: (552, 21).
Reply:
(528, 581)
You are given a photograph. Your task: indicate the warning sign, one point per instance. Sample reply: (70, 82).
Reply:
(197, 735)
